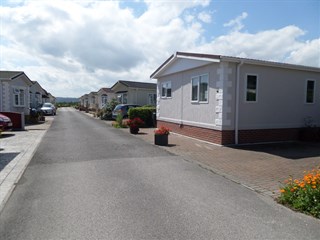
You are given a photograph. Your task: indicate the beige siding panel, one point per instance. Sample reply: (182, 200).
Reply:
(180, 109)
(281, 99)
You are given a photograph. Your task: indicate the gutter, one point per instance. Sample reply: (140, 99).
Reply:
(236, 124)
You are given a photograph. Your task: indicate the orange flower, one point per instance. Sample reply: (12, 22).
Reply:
(282, 190)
(313, 186)
(291, 190)
(313, 183)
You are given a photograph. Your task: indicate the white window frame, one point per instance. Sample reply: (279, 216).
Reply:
(198, 79)
(165, 85)
(121, 97)
(152, 98)
(104, 99)
(18, 92)
(306, 91)
(246, 87)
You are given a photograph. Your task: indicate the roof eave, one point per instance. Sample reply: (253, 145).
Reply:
(270, 64)
(192, 56)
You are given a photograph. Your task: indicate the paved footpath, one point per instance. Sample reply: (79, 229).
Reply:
(261, 168)
(16, 150)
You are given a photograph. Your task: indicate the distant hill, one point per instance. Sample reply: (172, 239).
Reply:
(66, 99)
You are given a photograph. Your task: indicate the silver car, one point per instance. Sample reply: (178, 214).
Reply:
(48, 109)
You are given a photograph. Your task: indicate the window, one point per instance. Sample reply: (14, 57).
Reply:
(310, 91)
(166, 90)
(251, 89)
(37, 99)
(152, 98)
(123, 98)
(199, 92)
(104, 99)
(18, 97)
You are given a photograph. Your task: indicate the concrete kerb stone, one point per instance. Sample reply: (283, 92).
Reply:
(12, 173)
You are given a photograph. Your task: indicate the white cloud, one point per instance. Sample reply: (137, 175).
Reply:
(308, 53)
(236, 23)
(74, 47)
(204, 17)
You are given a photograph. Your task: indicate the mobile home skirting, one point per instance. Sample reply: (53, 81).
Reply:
(226, 137)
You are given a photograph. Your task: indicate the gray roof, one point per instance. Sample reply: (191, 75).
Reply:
(10, 74)
(137, 84)
(211, 57)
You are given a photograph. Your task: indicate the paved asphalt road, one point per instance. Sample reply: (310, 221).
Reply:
(90, 181)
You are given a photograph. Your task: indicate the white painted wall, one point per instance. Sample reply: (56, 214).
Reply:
(281, 98)
(17, 82)
(180, 109)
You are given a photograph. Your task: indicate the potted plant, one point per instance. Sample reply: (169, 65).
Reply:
(161, 136)
(134, 125)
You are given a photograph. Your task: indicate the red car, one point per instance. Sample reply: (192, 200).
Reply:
(5, 123)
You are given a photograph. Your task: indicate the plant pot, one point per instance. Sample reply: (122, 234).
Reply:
(161, 140)
(134, 130)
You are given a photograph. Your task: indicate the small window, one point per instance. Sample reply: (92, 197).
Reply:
(166, 90)
(310, 91)
(123, 98)
(19, 97)
(251, 90)
(152, 98)
(104, 99)
(195, 88)
(199, 92)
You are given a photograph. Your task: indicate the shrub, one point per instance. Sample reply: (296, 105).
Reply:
(144, 113)
(120, 123)
(107, 110)
(303, 194)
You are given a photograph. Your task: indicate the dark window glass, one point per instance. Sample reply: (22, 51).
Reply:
(310, 92)
(251, 88)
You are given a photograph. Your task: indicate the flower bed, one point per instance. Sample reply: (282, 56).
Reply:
(303, 194)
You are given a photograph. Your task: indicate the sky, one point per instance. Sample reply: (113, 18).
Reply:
(73, 47)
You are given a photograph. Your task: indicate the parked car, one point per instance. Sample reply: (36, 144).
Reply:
(123, 110)
(5, 123)
(48, 109)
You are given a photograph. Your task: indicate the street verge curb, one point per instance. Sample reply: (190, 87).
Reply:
(22, 162)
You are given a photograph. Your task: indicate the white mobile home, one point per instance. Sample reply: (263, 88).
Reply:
(140, 93)
(104, 96)
(230, 100)
(14, 92)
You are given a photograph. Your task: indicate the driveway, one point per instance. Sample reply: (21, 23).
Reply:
(261, 167)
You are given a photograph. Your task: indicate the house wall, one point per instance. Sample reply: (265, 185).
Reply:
(137, 96)
(19, 82)
(34, 103)
(280, 100)
(99, 98)
(215, 114)
(140, 96)
(277, 115)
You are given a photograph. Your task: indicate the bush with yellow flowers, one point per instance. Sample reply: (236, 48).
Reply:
(303, 194)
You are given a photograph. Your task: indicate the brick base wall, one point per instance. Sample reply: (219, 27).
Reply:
(209, 135)
(269, 135)
(226, 137)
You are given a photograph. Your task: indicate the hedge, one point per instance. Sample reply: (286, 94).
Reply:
(144, 113)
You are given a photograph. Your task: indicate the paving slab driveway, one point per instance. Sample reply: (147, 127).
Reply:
(260, 167)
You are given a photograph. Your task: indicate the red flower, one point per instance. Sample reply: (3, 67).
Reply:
(135, 123)
(162, 131)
